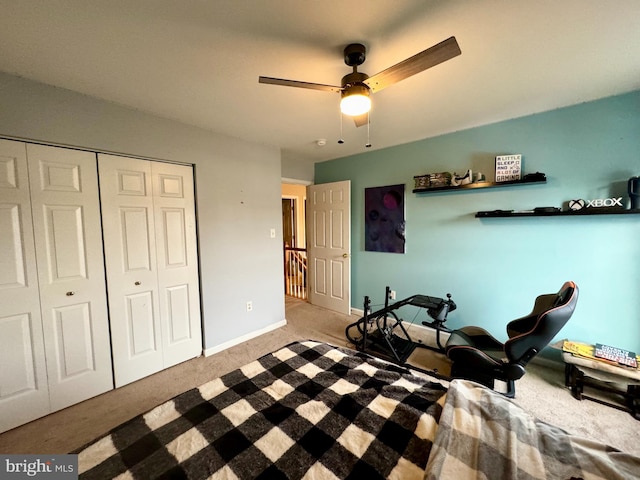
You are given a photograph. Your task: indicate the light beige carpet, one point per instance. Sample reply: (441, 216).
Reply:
(541, 391)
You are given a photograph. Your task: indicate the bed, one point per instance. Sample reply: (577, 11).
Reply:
(315, 411)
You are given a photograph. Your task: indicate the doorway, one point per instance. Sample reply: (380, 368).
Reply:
(289, 223)
(294, 240)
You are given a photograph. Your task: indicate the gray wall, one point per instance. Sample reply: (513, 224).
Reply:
(237, 193)
(293, 168)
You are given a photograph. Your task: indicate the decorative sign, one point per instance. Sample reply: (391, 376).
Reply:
(508, 168)
(605, 202)
(618, 355)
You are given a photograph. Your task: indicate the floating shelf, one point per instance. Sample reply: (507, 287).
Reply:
(475, 186)
(577, 213)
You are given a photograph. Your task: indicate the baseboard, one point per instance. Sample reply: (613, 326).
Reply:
(237, 341)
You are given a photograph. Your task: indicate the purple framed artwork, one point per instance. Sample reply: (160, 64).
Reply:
(384, 219)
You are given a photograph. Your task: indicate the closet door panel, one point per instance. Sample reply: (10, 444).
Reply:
(65, 242)
(24, 394)
(73, 341)
(178, 308)
(12, 261)
(17, 355)
(141, 324)
(178, 282)
(66, 216)
(135, 241)
(130, 254)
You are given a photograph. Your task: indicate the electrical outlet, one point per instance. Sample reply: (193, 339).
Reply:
(273, 233)
(392, 294)
(249, 306)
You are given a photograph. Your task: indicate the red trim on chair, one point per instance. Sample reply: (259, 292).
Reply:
(547, 312)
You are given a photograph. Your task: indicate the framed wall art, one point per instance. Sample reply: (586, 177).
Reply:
(384, 225)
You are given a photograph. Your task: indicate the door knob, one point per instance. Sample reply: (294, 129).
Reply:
(138, 283)
(70, 294)
(345, 255)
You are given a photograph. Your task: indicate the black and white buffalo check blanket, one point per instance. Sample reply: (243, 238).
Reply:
(483, 435)
(314, 411)
(309, 410)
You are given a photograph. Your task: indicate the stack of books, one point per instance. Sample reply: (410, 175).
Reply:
(603, 353)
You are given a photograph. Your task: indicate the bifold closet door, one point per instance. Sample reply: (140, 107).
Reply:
(130, 257)
(177, 261)
(150, 249)
(54, 329)
(24, 393)
(66, 219)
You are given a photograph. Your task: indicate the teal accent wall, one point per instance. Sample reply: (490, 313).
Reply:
(494, 268)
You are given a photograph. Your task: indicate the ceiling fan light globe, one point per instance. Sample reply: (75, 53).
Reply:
(354, 105)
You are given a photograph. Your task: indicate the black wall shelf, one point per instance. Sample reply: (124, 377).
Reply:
(577, 213)
(475, 186)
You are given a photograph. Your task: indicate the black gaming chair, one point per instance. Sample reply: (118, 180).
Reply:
(477, 356)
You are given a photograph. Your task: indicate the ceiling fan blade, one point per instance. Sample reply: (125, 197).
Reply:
(295, 83)
(361, 120)
(428, 58)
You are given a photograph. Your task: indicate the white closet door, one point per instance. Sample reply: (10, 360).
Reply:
(24, 394)
(130, 255)
(66, 217)
(174, 208)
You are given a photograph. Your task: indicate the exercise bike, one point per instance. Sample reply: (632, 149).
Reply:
(382, 333)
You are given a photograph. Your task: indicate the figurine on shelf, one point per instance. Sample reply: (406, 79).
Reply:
(433, 180)
(465, 179)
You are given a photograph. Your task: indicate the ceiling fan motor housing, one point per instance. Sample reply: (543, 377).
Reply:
(355, 90)
(355, 94)
(354, 78)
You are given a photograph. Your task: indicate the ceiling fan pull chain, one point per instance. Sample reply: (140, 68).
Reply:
(368, 144)
(341, 141)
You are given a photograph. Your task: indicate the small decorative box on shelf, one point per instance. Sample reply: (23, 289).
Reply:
(508, 168)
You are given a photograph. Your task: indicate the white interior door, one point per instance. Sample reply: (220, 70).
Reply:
(177, 262)
(329, 245)
(67, 227)
(130, 256)
(24, 394)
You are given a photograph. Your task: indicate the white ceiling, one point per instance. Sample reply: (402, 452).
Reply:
(198, 61)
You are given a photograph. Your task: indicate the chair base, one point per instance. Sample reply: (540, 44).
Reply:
(483, 378)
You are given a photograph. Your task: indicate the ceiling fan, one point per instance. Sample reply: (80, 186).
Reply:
(356, 86)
